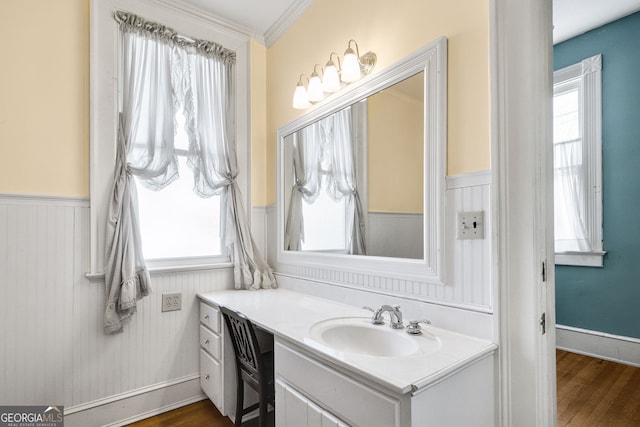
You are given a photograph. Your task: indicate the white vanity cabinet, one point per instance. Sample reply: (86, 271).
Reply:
(311, 392)
(452, 384)
(217, 370)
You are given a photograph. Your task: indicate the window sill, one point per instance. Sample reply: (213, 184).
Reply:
(581, 259)
(99, 277)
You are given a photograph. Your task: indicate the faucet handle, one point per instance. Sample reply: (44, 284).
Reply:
(376, 319)
(414, 326)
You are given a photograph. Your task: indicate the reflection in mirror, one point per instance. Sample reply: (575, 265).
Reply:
(354, 179)
(361, 176)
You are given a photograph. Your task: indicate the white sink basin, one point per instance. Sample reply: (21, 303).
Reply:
(358, 335)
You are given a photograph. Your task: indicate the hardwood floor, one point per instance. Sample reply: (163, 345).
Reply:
(596, 393)
(591, 393)
(200, 414)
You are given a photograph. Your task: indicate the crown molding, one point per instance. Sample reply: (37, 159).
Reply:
(215, 20)
(297, 8)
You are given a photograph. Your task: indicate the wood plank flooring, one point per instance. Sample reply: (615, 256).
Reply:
(200, 414)
(596, 393)
(591, 393)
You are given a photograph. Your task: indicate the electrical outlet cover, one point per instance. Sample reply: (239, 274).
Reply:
(171, 302)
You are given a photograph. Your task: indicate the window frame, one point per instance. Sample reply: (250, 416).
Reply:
(103, 85)
(588, 73)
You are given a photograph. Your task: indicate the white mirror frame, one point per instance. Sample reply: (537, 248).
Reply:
(432, 59)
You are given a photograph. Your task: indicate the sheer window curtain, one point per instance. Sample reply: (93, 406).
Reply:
(569, 198)
(329, 139)
(213, 158)
(342, 182)
(161, 72)
(307, 150)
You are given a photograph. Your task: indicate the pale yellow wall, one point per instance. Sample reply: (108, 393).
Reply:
(393, 29)
(44, 97)
(44, 82)
(395, 153)
(258, 89)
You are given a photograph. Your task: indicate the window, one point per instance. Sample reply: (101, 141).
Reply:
(104, 105)
(197, 234)
(577, 149)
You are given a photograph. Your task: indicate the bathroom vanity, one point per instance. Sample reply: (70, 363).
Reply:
(333, 367)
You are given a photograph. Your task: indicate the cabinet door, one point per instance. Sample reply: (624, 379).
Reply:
(211, 379)
(295, 410)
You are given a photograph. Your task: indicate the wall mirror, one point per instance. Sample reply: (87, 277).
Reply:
(361, 176)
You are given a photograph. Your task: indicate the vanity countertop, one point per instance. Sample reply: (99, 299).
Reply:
(291, 315)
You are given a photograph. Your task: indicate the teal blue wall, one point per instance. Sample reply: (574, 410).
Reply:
(608, 299)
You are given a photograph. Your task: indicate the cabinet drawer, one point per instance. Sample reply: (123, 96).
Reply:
(210, 317)
(210, 342)
(211, 378)
(350, 400)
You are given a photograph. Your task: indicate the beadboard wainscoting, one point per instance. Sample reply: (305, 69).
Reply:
(468, 262)
(53, 349)
(395, 234)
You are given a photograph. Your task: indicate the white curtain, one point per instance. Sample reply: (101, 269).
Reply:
(339, 148)
(213, 158)
(569, 193)
(160, 73)
(326, 148)
(307, 151)
(144, 148)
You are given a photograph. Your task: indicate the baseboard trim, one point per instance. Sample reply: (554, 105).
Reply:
(132, 406)
(605, 346)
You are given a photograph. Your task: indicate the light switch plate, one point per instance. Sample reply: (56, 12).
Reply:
(470, 225)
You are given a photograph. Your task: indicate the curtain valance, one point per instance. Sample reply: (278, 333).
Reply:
(133, 23)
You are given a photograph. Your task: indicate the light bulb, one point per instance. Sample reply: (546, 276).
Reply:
(350, 67)
(331, 81)
(314, 90)
(300, 98)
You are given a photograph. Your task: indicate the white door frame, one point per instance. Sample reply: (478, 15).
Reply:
(521, 155)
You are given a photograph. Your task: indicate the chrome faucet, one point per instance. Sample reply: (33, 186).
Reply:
(395, 316)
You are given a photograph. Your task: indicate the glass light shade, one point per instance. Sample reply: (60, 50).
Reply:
(331, 81)
(350, 67)
(314, 90)
(300, 98)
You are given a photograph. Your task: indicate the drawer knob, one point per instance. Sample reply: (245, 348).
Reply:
(206, 377)
(206, 342)
(206, 316)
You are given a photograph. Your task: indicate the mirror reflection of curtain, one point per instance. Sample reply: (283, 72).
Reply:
(307, 146)
(324, 153)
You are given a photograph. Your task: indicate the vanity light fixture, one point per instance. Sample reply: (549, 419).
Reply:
(354, 67)
(300, 96)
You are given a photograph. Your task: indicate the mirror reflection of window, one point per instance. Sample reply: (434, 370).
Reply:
(324, 224)
(324, 168)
